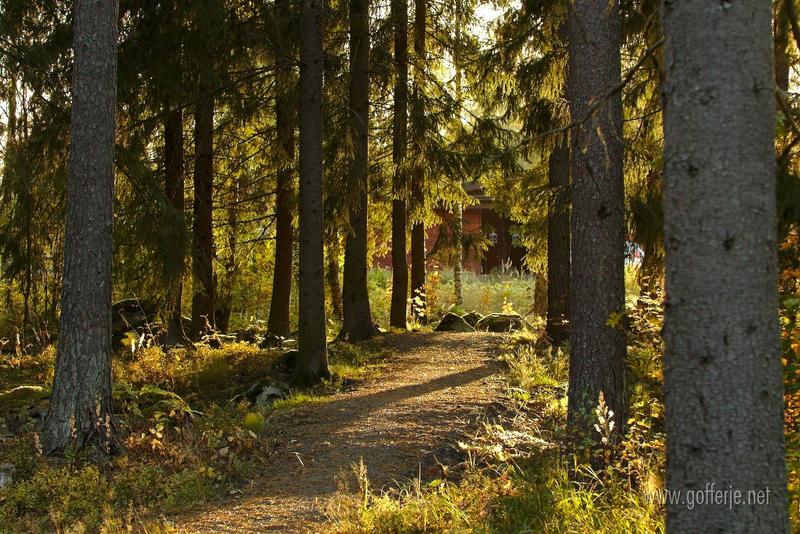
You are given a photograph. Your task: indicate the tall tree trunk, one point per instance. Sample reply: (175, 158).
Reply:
(357, 324)
(458, 212)
(781, 45)
(418, 252)
(202, 231)
(224, 292)
(597, 348)
(174, 188)
(284, 116)
(723, 384)
(399, 311)
(312, 360)
(558, 246)
(334, 285)
(80, 406)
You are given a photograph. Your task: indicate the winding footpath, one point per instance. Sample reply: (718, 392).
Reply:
(432, 388)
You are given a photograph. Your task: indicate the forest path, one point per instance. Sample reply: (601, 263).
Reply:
(431, 389)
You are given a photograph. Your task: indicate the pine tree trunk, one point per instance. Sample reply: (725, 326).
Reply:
(174, 189)
(781, 45)
(312, 361)
(202, 231)
(357, 324)
(723, 375)
(539, 295)
(334, 285)
(458, 212)
(80, 406)
(458, 264)
(224, 292)
(284, 118)
(418, 307)
(558, 247)
(597, 293)
(399, 310)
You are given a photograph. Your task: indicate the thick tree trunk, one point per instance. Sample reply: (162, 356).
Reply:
(202, 231)
(80, 406)
(357, 324)
(312, 361)
(418, 307)
(334, 285)
(284, 118)
(558, 246)
(723, 384)
(398, 315)
(174, 188)
(597, 293)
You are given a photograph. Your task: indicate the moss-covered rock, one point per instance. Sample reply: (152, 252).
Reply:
(502, 322)
(453, 323)
(472, 318)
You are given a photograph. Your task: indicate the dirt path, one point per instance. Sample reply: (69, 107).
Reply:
(434, 386)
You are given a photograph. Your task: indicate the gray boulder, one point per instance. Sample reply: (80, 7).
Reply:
(453, 323)
(502, 322)
(472, 318)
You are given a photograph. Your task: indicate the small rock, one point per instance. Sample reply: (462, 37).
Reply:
(271, 341)
(6, 475)
(265, 392)
(250, 334)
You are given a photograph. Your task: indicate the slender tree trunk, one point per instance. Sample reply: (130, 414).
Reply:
(284, 113)
(399, 310)
(174, 188)
(418, 306)
(540, 294)
(333, 278)
(597, 349)
(458, 213)
(202, 231)
(558, 246)
(357, 324)
(723, 385)
(80, 406)
(224, 294)
(312, 362)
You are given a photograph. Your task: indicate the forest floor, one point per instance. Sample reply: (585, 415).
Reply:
(433, 389)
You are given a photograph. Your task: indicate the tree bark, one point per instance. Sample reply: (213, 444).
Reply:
(458, 212)
(418, 307)
(399, 309)
(284, 118)
(80, 406)
(174, 189)
(597, 293)
(357, 324)
(781, 45)
(558, 246)
(723, 375)
(223, 294)
(334, 284)
(312, 360)
(202, 231)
